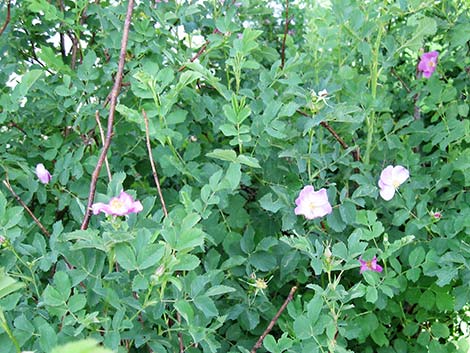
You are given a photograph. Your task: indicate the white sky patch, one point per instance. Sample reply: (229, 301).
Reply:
(13, 80)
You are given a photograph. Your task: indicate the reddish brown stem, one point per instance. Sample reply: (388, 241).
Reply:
(286, 29)
(112, 108)
(198, 54)
(274, 320)
(356, 154)
(152, 163)
(7, 19)
(21, 202)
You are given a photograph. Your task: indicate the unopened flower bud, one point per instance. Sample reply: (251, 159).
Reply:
(327, 252)
(160, 270)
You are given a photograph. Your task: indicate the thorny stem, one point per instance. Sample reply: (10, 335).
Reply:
(112, 107)
(274, 320)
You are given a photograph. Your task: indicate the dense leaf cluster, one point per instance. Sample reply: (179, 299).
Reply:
(238, 127)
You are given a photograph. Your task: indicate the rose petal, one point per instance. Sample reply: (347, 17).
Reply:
(387, 192)
(400, 174)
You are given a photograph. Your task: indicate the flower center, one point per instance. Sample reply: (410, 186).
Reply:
(312, 205)
(369, 264)
(431, 64)
(116, 205)
(396, 184)
(260, 283)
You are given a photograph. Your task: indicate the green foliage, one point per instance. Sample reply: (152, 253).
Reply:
(238, 125)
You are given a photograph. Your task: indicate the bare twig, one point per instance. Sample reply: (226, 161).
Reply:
(73, 60)
(405, 86)
(15, 125)
(21, 202)
(97, 117)
(7, 19)
(162, 201)
(112, 108)
(356, 154)
(152, 163)
(198, 54)
(286, 29)
(274, 320)
(180, 335)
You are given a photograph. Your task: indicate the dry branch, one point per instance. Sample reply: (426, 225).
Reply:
(7, 19)
(21, 202)
(274, 320)
(152, 163)
(112, 107)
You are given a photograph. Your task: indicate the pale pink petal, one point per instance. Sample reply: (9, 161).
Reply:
(387, 192)
(304, 193)
(100, 207)
(126, 199)
(386, 177)
(319, 197)
(400, 174)
(136, 207)
(43, 174)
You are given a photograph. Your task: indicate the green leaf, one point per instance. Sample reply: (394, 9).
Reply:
(125, 256)
(206, 305)
(8, 285)
(233, 175)
(219, 290)
(440, 330)
(269, 343)
(378, 335)
(185, 309)
(186, 262)
(150, 255)
(249, 161)
(427, 300)
(189, 239)
(371, 294)
(225, 155)
(83, 346)
(416, 257)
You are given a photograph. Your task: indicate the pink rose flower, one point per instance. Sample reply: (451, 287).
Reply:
(390, 179)
(42, 173)
(312, 204)
(370, 265)
(428, 63)
(118, 206)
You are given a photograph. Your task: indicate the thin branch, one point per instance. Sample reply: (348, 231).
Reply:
(162, 201)
(405, 86)
(286, 29)
(61, 34)
(274, 320)
(7, 19)
(198, 54)
(21, 202)
(152, 163)
(97, 117)
(180, 335)
(112, 108)
(356, 154)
